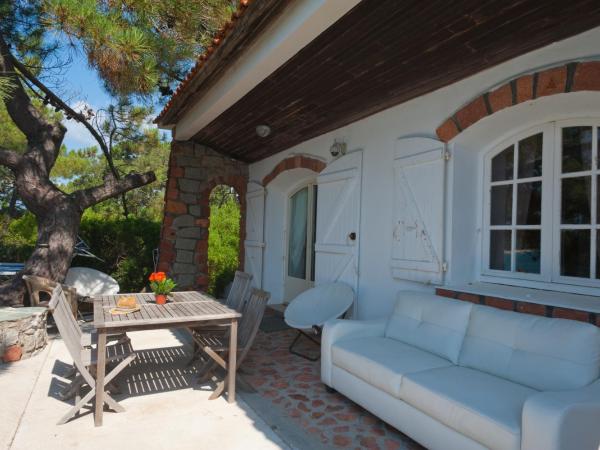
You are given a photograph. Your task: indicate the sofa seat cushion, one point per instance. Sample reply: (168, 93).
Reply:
(383, 362)
(480, 406)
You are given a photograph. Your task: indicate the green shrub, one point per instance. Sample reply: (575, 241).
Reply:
(223, 243)
(17, 238)
(126, 247)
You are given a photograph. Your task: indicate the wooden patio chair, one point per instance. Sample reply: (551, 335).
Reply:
(39, 285)
(235, 300)
(239, 290)
(85, 357)
(216, 348)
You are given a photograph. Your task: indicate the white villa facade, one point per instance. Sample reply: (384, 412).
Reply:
(423, 204)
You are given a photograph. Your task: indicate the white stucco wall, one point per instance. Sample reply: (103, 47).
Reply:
(376, 136)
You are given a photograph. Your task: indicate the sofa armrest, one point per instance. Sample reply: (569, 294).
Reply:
(335, 330)
(562, 420)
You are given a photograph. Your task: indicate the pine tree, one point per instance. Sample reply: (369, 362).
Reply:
(133, 45)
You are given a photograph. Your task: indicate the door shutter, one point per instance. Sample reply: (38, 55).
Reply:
(254, 243)
(338, 220)
(419, 193)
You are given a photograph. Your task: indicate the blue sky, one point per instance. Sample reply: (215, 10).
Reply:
(83, 86)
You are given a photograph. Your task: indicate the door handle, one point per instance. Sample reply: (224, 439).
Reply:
(352, 236)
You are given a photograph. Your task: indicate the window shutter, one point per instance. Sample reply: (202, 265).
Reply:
(419, 193)
(254, 243)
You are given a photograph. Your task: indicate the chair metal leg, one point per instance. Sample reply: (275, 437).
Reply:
(303, 355)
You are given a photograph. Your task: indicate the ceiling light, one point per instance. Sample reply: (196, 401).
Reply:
(263, 130)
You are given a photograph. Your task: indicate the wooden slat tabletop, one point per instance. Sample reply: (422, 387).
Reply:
(183, 307)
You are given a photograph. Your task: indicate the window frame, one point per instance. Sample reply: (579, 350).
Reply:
(549, 276)
(594, 172)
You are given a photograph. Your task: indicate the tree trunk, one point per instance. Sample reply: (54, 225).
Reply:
(58, 216)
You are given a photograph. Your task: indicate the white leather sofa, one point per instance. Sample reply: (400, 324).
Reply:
(453, 375)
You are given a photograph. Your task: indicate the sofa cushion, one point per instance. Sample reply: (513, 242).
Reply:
(478, 405)
(430, 322)
(382, 362)
(543, 353)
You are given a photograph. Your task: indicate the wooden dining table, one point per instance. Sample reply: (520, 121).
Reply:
(184, 310)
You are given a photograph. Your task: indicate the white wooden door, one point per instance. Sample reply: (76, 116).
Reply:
(254, 243)
(338, 220)
(419, 193)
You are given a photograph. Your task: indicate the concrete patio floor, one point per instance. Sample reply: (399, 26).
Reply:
(165, 408)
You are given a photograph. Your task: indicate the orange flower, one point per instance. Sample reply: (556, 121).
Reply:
(157, 276)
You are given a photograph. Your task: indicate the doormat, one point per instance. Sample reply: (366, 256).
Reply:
(273, 323)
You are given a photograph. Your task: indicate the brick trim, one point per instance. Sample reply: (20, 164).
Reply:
(522, 306)
(570, 77)
(294, 162)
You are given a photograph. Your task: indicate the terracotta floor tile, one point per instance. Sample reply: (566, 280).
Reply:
(293, 384)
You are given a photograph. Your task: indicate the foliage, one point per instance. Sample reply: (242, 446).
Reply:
(17, 237)
(160, 284)
(125, 245)
(131, 43)
(223, 238)
(134, 148)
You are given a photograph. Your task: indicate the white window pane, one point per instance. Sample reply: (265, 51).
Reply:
(503, 164)
(529, 203)
(576, 149)
(501, 205)
(576, 199)
(528, 251)
(500, 245)
(530, 156)
(575, 253)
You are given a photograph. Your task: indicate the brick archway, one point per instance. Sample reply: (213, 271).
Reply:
(240, 185)
(570, 77)
(194, 171)
(294, 162)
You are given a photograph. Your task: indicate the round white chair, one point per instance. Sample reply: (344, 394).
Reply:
(313, 307)
(91, 282)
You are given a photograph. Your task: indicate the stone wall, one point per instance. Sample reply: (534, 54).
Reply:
(22, 332)
(194, 170)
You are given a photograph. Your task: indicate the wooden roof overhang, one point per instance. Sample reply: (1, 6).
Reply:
(380, 54)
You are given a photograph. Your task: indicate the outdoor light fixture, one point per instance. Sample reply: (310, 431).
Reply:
(338, 148)
(263, 130)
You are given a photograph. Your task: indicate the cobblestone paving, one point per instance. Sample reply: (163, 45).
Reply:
(293, 384)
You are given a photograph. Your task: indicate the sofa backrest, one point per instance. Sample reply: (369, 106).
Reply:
(430, 322)
(543, 353)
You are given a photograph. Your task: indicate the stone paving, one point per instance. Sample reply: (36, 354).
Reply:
(294, 386)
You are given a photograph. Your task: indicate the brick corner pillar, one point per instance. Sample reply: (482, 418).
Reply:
(194, 170)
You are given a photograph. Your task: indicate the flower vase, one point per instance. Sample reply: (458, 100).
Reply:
(161, 299)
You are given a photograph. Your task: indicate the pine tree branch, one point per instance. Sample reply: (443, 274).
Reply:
(44, 137)
(112, 187)
(57, 101)
(9, 158)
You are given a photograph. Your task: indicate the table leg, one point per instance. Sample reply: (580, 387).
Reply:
(232, 365)
(100, 371)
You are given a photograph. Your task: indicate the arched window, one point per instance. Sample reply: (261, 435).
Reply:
(542, 208)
